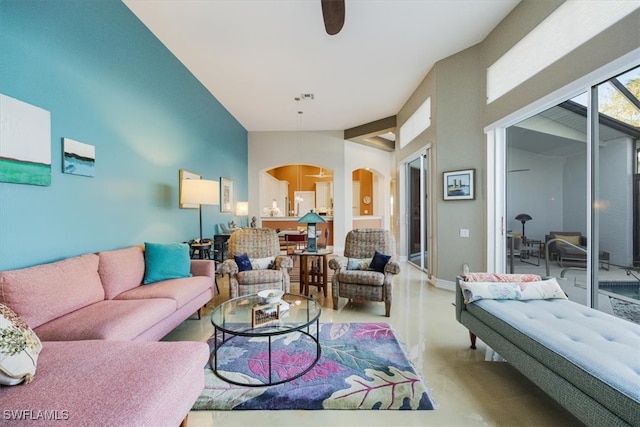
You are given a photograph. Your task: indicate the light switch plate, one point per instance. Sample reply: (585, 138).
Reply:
(464, 232)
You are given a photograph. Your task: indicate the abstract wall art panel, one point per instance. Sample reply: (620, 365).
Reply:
(78, 158)
(25, 143)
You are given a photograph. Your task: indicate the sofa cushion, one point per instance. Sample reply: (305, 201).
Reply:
(361, 277)
(595, 351)
(571, 238)
(45, 292)
(108, 320)
(114, 383)
(121, 270)
(255, 277)
(180, 290)
(165, 261)
(19, 349)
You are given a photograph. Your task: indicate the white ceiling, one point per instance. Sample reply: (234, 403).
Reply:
(257, 56)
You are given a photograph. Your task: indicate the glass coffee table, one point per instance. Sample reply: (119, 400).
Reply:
(233, 318)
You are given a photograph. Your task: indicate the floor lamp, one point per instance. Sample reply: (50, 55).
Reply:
(200, 192)
(523, 218)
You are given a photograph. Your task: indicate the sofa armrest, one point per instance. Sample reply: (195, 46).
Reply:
(283, 262)
(338, 263)
(203, 267)
(392, 267)
(229, 266)
(460, 306)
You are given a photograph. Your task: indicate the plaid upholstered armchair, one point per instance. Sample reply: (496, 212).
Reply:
(365, 272)
(262, 268)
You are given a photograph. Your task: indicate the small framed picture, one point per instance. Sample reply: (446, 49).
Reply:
(226, 195)
(78, 158)
(459, 185)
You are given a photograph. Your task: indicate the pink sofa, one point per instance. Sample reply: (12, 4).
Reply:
(98, 323)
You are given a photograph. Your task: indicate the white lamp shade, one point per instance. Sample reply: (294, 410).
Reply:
(242, 208)
(200, 192)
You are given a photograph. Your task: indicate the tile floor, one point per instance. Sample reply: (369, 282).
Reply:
(468, 390)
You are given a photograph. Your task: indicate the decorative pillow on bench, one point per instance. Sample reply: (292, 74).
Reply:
(19, 349)
(501, 277)
(544, 289)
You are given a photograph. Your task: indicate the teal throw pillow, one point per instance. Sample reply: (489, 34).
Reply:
(379, 261)
(165, 261)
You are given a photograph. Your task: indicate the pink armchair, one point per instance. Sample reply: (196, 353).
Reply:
(269, 269)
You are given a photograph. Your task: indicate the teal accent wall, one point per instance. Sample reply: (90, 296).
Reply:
(107, 81)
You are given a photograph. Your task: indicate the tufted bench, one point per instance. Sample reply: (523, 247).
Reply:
(587, 360)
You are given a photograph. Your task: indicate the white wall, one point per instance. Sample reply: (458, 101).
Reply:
(616, 195)
(553, 191)
(537, 191)
(326, 149)
(358, 156)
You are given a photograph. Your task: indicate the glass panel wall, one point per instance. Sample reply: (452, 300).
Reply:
(615, 164)
(573, 196)
(546, 206)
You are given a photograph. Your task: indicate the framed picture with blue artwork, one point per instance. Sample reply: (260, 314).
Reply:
(226, 195)
(459, 185)
(78, 158)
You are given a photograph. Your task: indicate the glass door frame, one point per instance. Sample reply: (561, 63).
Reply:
(426, 209)
(497, 166)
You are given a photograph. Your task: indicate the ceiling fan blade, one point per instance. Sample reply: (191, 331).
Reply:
(333, 15)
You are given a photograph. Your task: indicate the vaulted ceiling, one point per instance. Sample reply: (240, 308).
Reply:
(257, 56)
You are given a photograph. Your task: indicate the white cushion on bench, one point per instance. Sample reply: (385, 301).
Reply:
(605, 346)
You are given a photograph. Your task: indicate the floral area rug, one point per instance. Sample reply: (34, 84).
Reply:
(362, 366)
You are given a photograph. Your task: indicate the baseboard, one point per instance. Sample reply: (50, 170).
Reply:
(444, 284)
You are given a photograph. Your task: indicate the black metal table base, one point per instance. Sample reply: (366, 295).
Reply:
(216, 347)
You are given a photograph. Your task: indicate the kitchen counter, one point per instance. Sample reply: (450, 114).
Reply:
(290, 218)
(284, 223)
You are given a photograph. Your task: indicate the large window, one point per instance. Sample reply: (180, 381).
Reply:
(572, 196)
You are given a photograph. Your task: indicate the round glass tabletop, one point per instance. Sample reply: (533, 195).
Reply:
(249, 316)
(235, 315)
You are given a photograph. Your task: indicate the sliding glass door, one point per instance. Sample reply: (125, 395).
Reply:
(572, 198)
(417, 211)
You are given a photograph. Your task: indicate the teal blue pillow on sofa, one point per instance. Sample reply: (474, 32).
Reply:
(163, 261)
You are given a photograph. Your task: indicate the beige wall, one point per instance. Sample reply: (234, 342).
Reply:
(618, 40)
(457, 95)
(459, 114)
